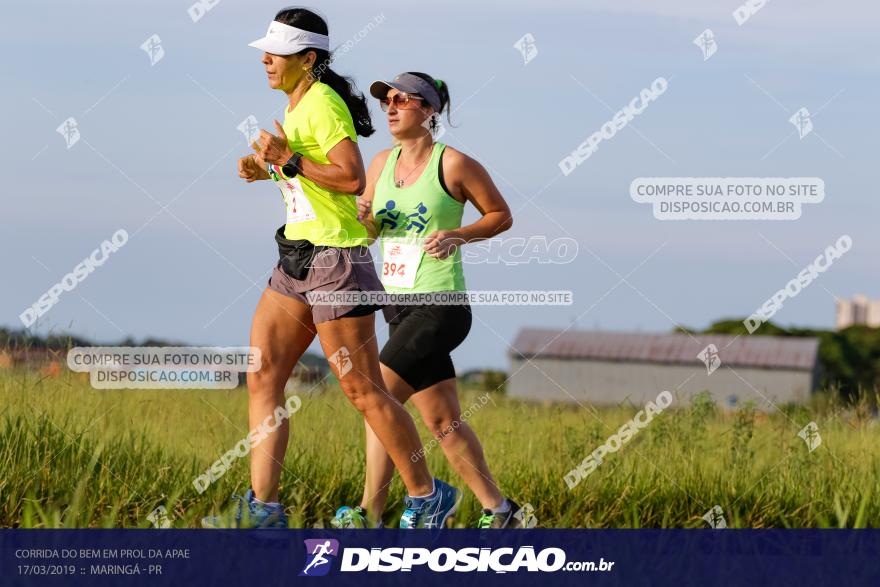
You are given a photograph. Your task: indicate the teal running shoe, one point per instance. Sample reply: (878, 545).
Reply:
(248, 513)
(431, 512)
(347, 518)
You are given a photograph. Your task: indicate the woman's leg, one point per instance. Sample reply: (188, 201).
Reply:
(350, 346)
(441, 413)
(380, 467)
(282, 329)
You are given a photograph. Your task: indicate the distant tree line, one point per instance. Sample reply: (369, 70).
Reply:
(849, 359)
(22, 341)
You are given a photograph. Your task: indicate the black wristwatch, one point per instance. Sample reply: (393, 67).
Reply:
(292, 167)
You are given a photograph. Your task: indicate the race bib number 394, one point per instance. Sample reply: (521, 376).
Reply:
(400, 262)
(299, 209)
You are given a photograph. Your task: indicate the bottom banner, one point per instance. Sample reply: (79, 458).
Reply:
(486, 557)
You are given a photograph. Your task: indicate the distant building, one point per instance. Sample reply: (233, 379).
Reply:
(612, 368)
(859, 310)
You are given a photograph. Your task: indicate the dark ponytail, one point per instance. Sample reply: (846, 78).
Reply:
(307, 20)
(442, 89)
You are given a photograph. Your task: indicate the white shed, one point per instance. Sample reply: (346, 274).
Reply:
(612, 368)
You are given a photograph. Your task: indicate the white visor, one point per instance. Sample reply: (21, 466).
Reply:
(283, 39)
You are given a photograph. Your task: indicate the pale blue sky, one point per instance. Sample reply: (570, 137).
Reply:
(149, 132)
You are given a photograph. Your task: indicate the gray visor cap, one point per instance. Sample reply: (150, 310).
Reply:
(411, 84)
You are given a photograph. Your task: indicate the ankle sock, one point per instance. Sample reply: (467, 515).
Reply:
(271, 504)
(503, 508)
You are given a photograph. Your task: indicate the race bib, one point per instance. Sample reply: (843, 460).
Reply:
(299, 209)
(400, 262)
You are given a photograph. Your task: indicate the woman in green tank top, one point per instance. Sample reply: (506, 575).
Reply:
(413, 203)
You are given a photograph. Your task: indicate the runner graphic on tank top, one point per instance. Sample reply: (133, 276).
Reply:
(390, 217)
(420, 221)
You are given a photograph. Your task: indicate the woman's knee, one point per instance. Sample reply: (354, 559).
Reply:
(442, 426)
(269, 379)
(364, 393)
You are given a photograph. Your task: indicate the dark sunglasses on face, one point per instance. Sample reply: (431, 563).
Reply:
(401, 101)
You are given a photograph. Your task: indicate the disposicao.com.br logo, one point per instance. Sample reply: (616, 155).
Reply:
(442, 559)
(318, 551)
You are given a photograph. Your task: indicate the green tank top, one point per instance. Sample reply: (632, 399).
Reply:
(405, 217)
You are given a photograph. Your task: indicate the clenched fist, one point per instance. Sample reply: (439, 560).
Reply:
(443, 243)
(365, 217)
(273, 149)
(251, 168)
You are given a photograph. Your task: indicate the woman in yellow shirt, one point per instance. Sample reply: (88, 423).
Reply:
(315, 161)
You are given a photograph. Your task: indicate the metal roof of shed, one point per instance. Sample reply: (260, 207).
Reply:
(745, 351)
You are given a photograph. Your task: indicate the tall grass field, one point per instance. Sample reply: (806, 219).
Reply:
(73, 456)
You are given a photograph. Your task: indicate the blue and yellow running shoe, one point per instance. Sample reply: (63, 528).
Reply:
(432, 511)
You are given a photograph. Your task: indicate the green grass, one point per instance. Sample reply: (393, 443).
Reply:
(72, 456)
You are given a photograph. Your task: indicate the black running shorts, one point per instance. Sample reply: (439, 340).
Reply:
(420, 340)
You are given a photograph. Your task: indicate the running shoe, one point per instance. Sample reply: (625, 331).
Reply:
(431, 512)
(507, 519)
(248, 513)
(347, 517)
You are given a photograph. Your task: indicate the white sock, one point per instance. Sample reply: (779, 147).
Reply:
(268, 503)
(430, 495)
(503, 508)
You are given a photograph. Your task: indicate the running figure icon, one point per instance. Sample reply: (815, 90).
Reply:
(389, 217)
(318, 553)
(420, 221)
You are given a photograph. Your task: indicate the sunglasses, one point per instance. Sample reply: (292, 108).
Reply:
(401, 101)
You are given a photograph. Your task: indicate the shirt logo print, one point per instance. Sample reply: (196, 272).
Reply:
(392, 218)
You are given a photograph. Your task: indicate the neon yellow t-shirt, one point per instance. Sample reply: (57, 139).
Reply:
(322, 216)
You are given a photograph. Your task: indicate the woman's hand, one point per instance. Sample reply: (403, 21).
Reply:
(273, 149)
(443, 243)
(365, 217)
(365, 210)
(251, 168)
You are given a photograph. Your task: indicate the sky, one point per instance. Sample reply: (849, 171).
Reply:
(158, 145)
